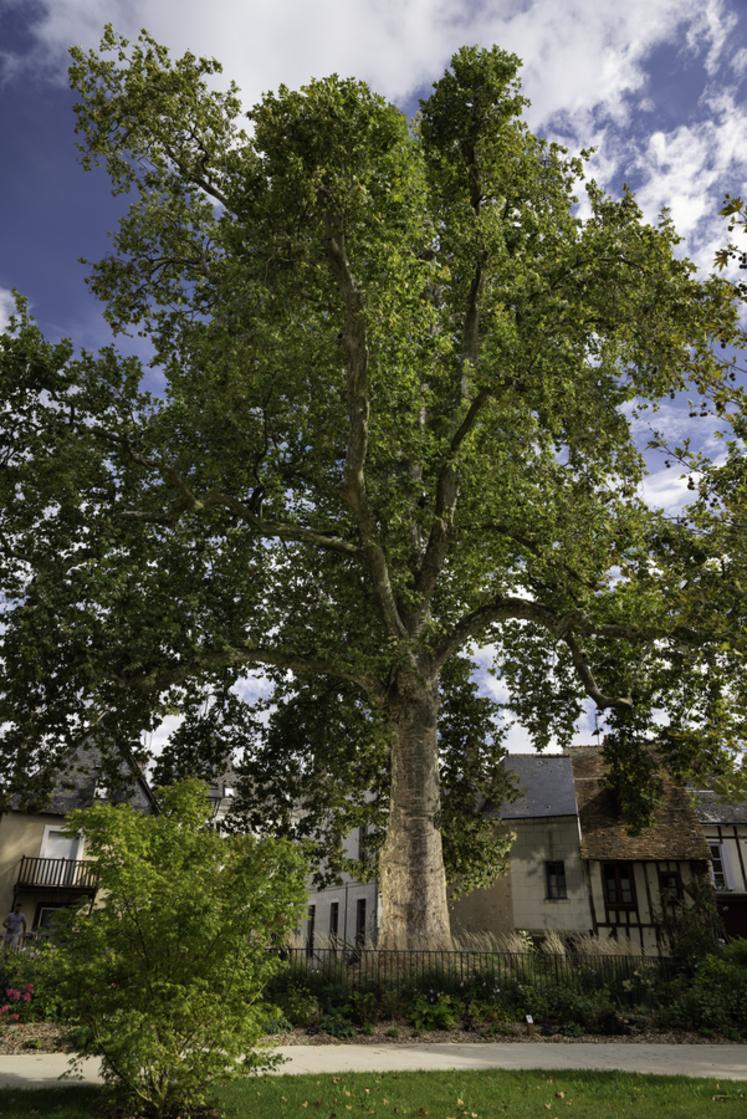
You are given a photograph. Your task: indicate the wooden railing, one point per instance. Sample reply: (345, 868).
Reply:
(57, 874)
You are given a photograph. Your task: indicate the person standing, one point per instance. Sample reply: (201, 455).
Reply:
(15, 927)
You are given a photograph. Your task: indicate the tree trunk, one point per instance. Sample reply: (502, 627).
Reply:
(414, 911)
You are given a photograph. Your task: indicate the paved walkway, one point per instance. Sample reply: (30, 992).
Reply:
(720, 1062)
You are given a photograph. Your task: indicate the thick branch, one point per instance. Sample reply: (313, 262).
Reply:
(474, 624)
(356, 344)
(586, 676)
(236, 655)
(447, 482)
(267, 528)
(187, 172)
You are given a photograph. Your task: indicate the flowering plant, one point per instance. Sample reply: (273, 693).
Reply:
(17, 1005)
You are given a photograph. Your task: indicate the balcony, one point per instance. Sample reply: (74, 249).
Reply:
(56, 874)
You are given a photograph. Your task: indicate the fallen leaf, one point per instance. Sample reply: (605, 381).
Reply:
(560, 1095)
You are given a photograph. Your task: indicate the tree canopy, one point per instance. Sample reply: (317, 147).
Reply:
(396, 364)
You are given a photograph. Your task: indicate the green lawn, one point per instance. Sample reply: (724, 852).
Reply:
(434, 1095)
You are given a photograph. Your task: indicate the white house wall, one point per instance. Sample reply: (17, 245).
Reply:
(537, 842)
(732, 839)
(519, 901)
(635, 929)
(346, 895)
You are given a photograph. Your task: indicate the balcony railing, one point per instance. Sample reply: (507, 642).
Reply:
(56, 874)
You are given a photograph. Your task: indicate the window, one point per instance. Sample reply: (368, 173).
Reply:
(311, 921)
(362, 839)
(717, 866)
(334, 918)
(670, 887)
(555, 880)
(57, 844)
(619, 889)
(46, 912)
(360, 921)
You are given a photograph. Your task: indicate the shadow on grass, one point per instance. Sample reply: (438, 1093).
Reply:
(68, 1102)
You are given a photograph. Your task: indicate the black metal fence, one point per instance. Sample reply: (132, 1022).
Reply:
(359, 968)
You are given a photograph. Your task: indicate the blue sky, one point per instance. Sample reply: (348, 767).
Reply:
(657, 86)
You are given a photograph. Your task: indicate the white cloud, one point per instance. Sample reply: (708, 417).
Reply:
(585, 69)
(666, 489)
(713, 25)
(691, 167)
(579, 55)
(7, 307)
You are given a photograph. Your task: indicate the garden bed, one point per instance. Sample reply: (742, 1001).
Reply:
(51, 1037)
(27, 1037)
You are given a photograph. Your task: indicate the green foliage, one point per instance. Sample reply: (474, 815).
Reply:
(736, 952)
(164, 979)
(694, 929)
(436, 1012)
(337, 1025)
(37, 967)
(714, 1001)
(299, 1006)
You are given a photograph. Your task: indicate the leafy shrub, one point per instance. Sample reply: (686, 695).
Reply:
(16, 1003)
(694, 930)
(337, 1025)
(39, 967)
(439, 1012)
(715, 1001)
(300, 1007)
(364, 1007)
(736, 952)
(165, 978)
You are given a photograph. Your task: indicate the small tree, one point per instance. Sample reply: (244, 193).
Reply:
(164, 980)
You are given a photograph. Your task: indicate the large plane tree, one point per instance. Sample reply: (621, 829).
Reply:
(393, 368)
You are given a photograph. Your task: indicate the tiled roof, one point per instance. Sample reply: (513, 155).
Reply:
(674, 833)
(545, 784)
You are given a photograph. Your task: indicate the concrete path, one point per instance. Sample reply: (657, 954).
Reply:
(719, 1062)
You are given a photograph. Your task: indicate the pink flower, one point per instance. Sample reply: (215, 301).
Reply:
(15, 1017)
(13, 993)
(4, 1009)
(26, 996)
(29, 986)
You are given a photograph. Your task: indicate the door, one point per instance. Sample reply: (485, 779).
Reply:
(57, 846)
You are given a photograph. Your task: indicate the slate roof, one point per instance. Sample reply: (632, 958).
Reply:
(75, 785)
(675, 832)
(711, 809)
(545, 784)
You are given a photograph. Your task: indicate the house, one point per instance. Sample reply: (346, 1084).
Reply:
(634, 879)
(346, 912)
(573, 866)
(725, 828)
(43, 867)
(545, 888)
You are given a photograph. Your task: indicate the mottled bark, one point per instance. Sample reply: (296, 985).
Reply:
(414, 911)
